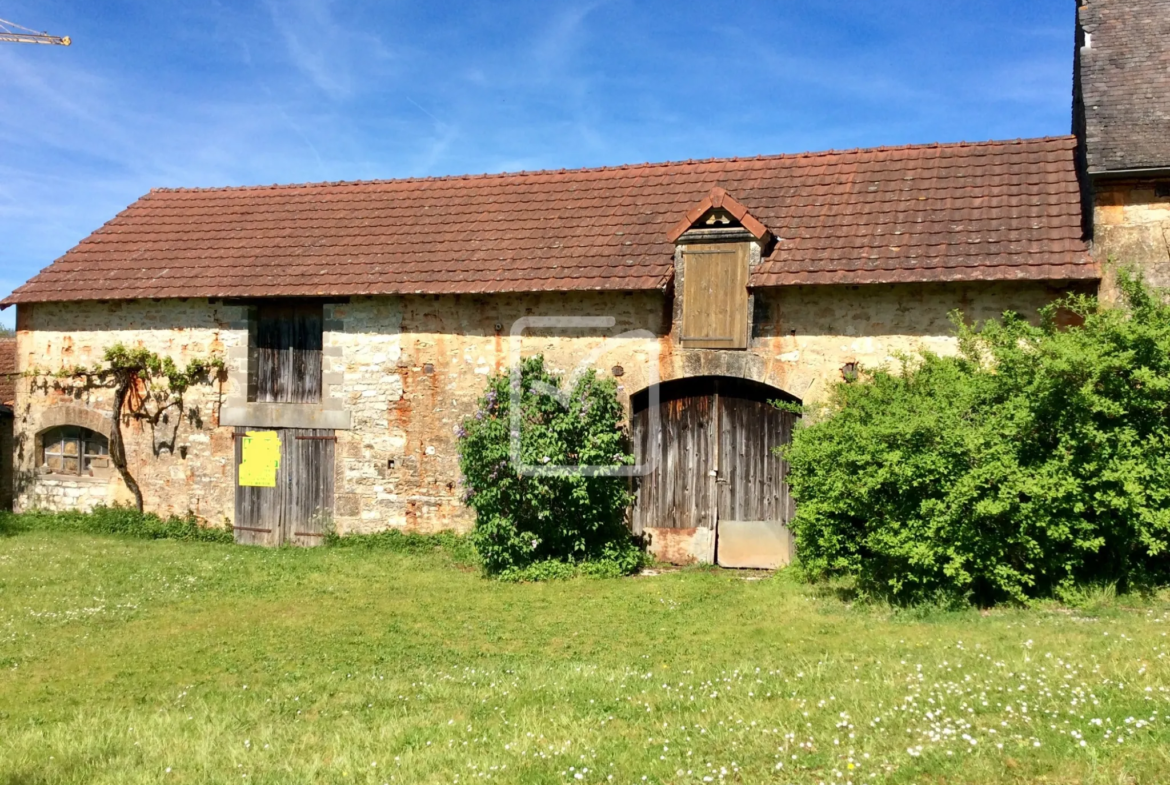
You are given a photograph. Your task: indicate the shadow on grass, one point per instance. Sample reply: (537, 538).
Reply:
(10, 524)
(455, 547)
(124, 521)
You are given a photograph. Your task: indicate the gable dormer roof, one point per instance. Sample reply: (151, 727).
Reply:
(719, 199)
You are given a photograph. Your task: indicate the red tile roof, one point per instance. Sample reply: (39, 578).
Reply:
(7, 371)
(988, 211)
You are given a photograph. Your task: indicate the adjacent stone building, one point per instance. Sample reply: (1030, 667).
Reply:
(1122, 118)
(359, 321)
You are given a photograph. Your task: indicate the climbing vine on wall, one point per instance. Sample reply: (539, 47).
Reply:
(146, 387)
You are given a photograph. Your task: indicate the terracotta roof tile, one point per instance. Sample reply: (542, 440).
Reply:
(996, 210)
(7, 370)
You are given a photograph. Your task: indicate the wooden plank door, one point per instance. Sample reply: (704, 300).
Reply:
(257, 519)
(753, 479)
(754, 505)
(284, 359)
(680, 493)
(716, 470)
(307, 465)
(715, 296)
(298, 509)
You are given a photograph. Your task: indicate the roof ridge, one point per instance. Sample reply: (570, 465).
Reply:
(620, 167)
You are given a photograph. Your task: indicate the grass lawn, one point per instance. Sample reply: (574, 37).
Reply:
(127, 661)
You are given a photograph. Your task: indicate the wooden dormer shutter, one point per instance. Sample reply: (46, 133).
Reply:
(715, 296)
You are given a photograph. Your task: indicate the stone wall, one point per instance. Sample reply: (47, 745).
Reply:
(52, 492)
(407, 370)
(6, 450)
(805, 335)
(1132, 227)
(413, 369)
(184, 464)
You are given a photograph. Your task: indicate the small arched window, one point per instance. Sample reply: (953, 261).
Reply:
(74, 451)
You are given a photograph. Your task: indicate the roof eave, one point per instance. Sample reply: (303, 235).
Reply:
(1073, 271)
(1138, 172)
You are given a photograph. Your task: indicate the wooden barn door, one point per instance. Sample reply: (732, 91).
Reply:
(754, 506)
(257, 506)
(297, 507)
(680, 493)
(718, 491)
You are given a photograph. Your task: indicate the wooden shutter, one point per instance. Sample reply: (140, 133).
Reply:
(285, 363)
(715, 296)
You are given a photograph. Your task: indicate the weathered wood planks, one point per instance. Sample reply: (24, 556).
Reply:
(284, 362)
(715, 296)
(299, 509)
(715, 451)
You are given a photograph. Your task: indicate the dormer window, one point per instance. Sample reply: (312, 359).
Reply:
(715, 243)
(715, 296)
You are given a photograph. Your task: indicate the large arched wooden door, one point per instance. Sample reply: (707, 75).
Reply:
(717, 491)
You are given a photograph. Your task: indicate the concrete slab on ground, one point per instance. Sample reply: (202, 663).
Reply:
(757, 545)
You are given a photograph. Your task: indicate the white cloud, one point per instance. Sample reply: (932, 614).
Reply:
(329, 53)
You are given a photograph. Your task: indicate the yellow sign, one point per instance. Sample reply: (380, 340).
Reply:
(260, 458)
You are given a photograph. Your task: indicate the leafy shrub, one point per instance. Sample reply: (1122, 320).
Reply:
(620, 558)
(119, 520)
(558, 516)
(1035, 462)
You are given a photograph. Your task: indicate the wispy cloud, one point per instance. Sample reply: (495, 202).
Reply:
(328, 52)
(309, 34)
(561, 38)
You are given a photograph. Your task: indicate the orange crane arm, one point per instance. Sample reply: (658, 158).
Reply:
(14, 33)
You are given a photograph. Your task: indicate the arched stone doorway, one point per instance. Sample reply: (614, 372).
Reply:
(716, 491)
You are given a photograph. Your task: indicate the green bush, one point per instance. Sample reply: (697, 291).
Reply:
(1034, 464)
(559, 516)
(118, 520)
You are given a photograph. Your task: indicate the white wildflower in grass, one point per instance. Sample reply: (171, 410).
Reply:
(442, 676)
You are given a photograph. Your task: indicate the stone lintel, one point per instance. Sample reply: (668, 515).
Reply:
(285, 415)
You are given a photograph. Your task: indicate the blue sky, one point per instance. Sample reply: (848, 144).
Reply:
(168, 93)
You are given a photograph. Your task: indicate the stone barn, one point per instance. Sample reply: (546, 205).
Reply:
(359, 320)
